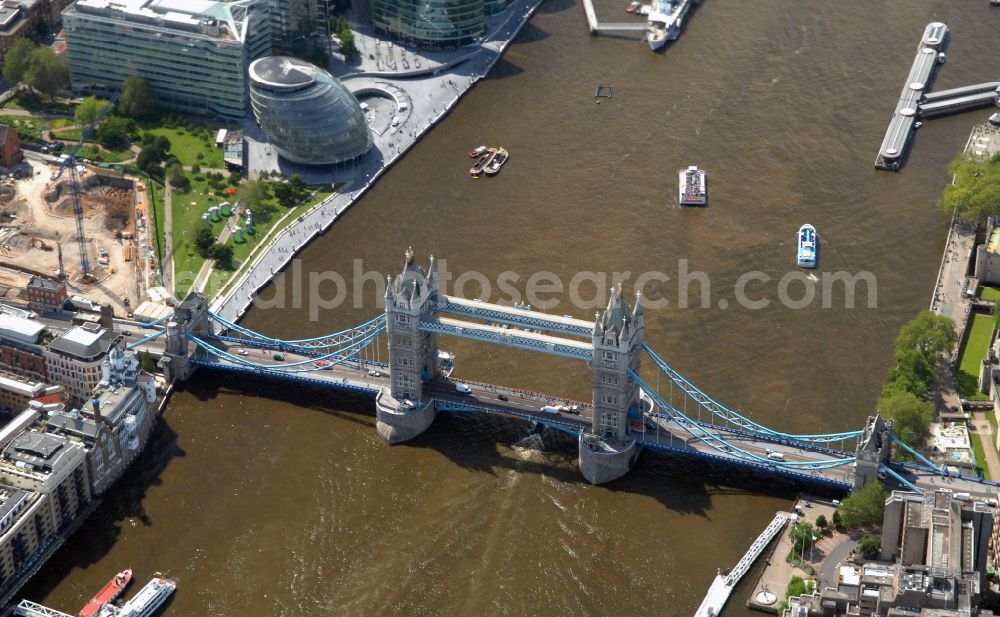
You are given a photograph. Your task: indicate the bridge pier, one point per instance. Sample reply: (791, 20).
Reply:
(397, 422)
(601, 462)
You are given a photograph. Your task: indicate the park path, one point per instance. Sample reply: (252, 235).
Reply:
(980, 424)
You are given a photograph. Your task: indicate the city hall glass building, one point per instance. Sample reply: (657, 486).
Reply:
(308, 116)
(434, 23)
(193, 54)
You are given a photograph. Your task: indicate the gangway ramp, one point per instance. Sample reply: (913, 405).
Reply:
(597, 27)
(989, 86)
(723, 584)
(27, 608)
(941, 107)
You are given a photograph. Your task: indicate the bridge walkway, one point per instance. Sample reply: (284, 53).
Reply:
(513, 316)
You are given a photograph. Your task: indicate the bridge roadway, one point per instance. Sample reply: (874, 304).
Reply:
(661, 434)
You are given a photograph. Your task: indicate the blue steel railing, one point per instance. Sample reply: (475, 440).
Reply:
(728, 449)
(732, 417)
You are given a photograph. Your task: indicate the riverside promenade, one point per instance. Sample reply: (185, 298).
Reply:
(432, 91)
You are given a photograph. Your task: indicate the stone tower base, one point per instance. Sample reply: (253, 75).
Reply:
(396, 424)
(600, 462)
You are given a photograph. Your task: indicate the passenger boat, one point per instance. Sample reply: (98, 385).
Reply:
(108, 594)
(665, 20)
(149, 599)
(484, 159)
(692, 189)
(477, 152)
(807, 246)
(497, 162)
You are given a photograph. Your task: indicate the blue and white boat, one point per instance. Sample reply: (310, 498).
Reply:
(808, 246)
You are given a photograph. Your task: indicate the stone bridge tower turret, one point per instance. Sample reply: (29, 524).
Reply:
(190, 317)
(874, 449)
(607, 452)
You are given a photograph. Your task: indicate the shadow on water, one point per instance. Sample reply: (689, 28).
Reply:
(531, 33)
(555, 6)
(470, 440)
(123, 501)
(503, 69)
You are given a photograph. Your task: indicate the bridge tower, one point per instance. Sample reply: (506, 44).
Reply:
(874, 449)
(190, 317)
(402, 412)
(607, 452)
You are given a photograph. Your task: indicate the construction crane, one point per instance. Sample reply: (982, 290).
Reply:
(70, 162)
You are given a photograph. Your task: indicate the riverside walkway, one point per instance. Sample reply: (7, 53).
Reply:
(722, 587)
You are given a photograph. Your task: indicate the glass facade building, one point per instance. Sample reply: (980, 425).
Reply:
(433, 23)
(194, 54)
(309, 117)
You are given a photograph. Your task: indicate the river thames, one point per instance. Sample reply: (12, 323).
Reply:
(266, 499)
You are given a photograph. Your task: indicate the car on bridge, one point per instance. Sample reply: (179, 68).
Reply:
(464, 389)
(374, 373)
(321, 363)
(502, 397)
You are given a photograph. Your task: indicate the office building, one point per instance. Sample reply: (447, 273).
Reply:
(193, 54)
(436, 24)
(74, 358)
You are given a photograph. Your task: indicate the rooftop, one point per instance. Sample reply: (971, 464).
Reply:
(20, 328)
(37, 451)
(86, 342)
(38, 282)
(282, 72)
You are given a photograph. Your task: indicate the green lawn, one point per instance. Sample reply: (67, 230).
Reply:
(187, 209)
(187, 143)
(28, 126)
(37, 104)
(990, 293)
(244, 253)
(977, 447)
(971, 354)
(75, 134)
(93, 153)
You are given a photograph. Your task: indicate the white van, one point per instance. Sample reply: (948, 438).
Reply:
(776, 456)
(464, 389)
(550, 409)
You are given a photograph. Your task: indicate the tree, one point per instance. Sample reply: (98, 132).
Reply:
(88, 110)
(115, 133)
(802, 536)
(146, 362)
(798, 587)
(252, 194)
(222, 254)
(864, 506)
(319, 57)
(196, 168)
(913, 373)
(347, 45)
(46, 72)
(17, 59)
(162, 144)
(912, 416)
(149, 159)
(137, 101)
(870, 546)
(204, 240)
(928, 333)
(177, 179)
(835, 519)
(821, 523)
(292, 192)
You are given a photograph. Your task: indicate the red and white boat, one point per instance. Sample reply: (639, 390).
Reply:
(477, 152)
(108, 594)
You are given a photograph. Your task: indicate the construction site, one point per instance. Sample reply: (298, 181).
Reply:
(39, 234)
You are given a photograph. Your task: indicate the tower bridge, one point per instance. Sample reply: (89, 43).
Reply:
(627, 413)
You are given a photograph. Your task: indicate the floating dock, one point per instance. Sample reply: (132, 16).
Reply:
(597, 27)
(723, 584)
(960, 99)
(897, 136)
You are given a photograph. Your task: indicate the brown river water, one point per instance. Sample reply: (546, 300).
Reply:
(266, 499)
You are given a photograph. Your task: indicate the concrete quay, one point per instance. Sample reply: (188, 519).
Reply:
(432, 91)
